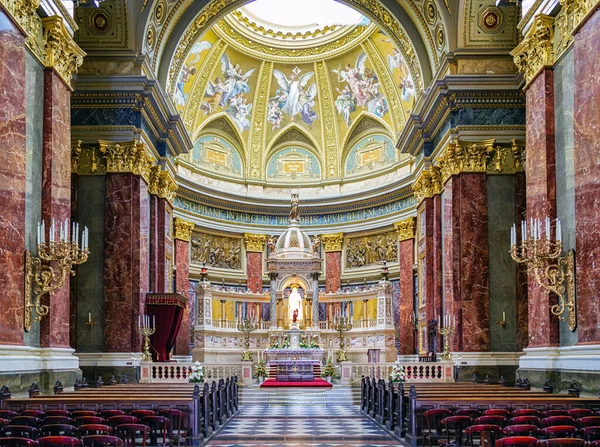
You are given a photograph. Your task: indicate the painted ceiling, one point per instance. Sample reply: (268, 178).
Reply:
(293, 105)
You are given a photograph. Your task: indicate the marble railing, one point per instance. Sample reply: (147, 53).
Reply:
(155, 372)
(415, 372)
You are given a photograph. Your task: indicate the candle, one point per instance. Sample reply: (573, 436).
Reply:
(89, 317)
(503, 316)
(154, 321)
(43, 232)
(558, 231)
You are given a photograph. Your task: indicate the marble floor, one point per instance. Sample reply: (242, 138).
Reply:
(296, 424)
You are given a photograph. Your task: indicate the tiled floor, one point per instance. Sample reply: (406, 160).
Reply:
(295, 426)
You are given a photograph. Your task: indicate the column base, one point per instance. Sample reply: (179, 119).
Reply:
(20, 366)
(493, 364)
(561, 365)
(106, 364)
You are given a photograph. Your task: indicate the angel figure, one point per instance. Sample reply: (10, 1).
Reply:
(293, 93)
(396, 61)
(316, 242)
(239, 110)
(189, 70)
(360, 83)
(236, 81)
(214, 93)
(345, 104)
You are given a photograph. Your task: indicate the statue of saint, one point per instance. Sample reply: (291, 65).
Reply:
(295, 316)
(294, 214)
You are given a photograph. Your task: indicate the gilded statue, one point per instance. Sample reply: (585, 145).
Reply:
(294, 214)
(316, 243)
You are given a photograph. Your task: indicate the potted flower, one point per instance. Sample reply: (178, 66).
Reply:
(197, 373)
(261, 371)
(398, 373)
(274, 343)
(303, 343)
(328, 371)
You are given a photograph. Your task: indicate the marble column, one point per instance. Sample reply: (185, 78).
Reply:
(183, 235)
(273, 298)
(126, 259)
(255, 245)
(587, 178)
(332, 244)
(13, 185)
(315, 299)
(465, 260)
(540, 169)
(522, 303)
(406, 250)
(56, 195)
(161, 245)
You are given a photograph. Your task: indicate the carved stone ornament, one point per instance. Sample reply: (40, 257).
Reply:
(183, 229)
(130, 157)
(162, 183)
(536, 51)
(62, 53)
(216, 251)
(255, 242)
(405, 229)
(427, 184)
(332, 242)
(364, 251)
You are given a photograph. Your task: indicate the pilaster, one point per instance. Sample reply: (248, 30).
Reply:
(406, 249)
(332, 245)
(182, 233)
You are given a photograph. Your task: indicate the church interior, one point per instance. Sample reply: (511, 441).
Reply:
(299, 223)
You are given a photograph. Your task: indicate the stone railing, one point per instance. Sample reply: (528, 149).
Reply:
(155, 372)
(415, 372)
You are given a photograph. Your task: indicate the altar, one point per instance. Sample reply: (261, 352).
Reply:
(294, 365)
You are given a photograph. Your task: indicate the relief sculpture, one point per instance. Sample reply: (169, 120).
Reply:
(369, 250)
(216, 251)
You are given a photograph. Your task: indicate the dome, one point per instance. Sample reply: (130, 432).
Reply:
(293, 240)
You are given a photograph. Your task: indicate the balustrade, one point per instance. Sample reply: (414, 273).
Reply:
(180, 372)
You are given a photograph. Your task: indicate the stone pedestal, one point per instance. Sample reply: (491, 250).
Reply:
(247, 373)
(345, 372)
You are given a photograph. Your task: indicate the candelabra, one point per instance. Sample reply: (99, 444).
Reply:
(48, 271)
(447, 331)
(553, 272)
(342, 325)
(246, 326)
(146, 330)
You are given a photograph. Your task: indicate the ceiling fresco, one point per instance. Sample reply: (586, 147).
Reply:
(320, 82)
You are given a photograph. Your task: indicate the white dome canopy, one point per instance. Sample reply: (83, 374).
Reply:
(293, 239)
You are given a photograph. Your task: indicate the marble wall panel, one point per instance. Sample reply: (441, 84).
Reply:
(182, 280)
(565, 176)
(13, 153)
(406, 261)
(437, 250)
(34, 84)
(587, 177)
(540, 169)
(333, 273)
(522, 278)
(450, 257)
(154, 246)
(503, 270)
(254, 271)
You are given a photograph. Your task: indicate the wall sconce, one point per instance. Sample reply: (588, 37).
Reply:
(553, 272)
(502, 322)
(48, 271)
(91, 323)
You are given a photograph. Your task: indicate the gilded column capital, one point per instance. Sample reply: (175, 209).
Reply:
(162, 183)
(428, 184)
(24, 14)
(405, 229)
(62, 54)
(183, 229)
(132, 157)
(332, 242)
(255, 242)
(536, 50)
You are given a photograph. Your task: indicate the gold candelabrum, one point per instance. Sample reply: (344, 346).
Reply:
(48, 271)
(543, 256)
(447, 331)
(146, 328)
(341, 325)
(246, 326)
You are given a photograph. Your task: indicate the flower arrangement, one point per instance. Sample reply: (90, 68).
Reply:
(286, 342)
(197, 374)
(314, 343)
(398, 373)
(329, 370)
(261, 369)
(274, 343)
(303, 343)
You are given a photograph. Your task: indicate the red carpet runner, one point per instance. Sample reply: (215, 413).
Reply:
(316, 383)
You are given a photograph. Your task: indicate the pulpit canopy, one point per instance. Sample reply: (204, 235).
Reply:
(167, 309)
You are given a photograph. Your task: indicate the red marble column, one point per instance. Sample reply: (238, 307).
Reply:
(587, 178)
(425, 265)
(540, 169)
(255, 245)
(406, 250)
(333, 273)
(522, 304)
(56, 195)
(182, 285)
(466, 279)
(126, 260)
(13, 184)
(437, 276)
(161, 244)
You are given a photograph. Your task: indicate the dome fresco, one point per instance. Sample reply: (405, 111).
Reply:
(322, 80)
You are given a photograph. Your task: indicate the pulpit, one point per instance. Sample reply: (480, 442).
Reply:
(167, 310)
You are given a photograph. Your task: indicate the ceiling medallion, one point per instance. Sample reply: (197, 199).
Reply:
(159, 12)
(100, 21)
(439, 37)
(430, 12)
(490, 20)
(150, 37)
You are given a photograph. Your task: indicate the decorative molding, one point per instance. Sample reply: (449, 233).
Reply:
(428, 184)
(536, 51)
(570, 17)
(405, 229)
(24, 14)
(183, 229)
(255, 242)
(63, 55)
(132, 157)
(329, 123)
(332, 242)
(258, 131)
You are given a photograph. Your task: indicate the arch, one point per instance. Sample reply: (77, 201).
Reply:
(198, 15)
(354, 129)
(288, 281)
(222, 157)
(294, 157)
(279, 140)
(228, 127)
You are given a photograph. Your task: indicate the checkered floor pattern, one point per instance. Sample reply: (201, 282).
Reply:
(291, 426)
